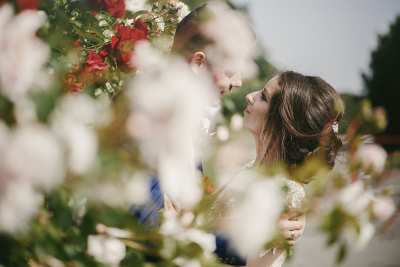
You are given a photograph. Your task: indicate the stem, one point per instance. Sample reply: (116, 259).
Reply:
(92, 47)
(147, 15)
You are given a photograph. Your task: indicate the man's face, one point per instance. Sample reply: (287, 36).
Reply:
(224, 80)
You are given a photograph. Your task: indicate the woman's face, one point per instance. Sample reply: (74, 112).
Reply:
(255, 114)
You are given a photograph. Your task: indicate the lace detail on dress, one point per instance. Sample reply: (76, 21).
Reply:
(294, 194)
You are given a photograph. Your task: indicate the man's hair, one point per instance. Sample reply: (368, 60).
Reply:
(299, 121)
(190, 36)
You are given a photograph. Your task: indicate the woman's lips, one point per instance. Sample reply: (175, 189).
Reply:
(246, 111)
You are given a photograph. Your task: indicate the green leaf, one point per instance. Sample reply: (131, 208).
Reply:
(89, 16)
(97, 39)
(45, 102)
(98, 31)
(6, 110)
(342, 253)
(81, 32)
(72, 6)
(63, 20)
(76, 23)
(84, 22)
(103, 17)
(110, 60)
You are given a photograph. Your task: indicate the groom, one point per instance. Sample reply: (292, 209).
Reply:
(202, 41)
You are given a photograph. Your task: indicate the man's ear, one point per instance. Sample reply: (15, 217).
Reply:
(198, 62)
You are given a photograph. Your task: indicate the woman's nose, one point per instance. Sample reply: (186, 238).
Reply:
(250, 99)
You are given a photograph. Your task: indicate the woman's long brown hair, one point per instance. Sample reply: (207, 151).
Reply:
(299, 121)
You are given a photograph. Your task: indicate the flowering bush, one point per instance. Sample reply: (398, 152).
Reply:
(73, 162)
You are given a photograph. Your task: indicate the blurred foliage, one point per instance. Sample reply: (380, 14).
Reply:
(382, 81)
(352, 106)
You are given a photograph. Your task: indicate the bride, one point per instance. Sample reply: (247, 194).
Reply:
(293, 117)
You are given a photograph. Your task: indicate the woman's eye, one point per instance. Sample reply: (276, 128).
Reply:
(263, 96)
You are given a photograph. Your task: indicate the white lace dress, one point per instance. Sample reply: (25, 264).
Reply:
(227, 200)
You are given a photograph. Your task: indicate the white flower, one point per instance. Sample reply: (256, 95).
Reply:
(108, 34)
(18, 204)
(33, 155)
(147, 59)
(354, 199)
(372, 155)
(182, 262)
(106, 249)
(171, 227)
(73, 121)
(137, 190)
(253, 221)
(167, 126)
(383, 207)
(225, 28)
(222, 133)
(22, 53)
(359, 238)
(160, 23)
(103, 23)
(135, 5)
(25, 110)
(183, 10)
(4, 135)
(187, 218)
(236, 122)
(118, 233)
(204, 240)
(108, 194)
(129, 22)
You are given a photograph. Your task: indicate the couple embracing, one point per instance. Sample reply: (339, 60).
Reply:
(292, 118)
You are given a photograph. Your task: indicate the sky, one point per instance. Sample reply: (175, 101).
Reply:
(332, 39)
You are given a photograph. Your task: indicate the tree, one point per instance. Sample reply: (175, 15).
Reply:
(383, 81)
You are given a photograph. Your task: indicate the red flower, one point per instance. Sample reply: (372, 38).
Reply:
(94, 63)
(93, 13)
(105, 52)
(140, 25)
(90, 70)
(27, 4)
(123, 44)
(71, 86)
(76, 45)
(94, 3)
(116, 8)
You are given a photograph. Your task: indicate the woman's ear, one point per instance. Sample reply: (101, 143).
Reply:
(198, 62)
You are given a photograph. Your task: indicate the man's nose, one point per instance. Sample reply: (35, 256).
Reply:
(236, 80)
